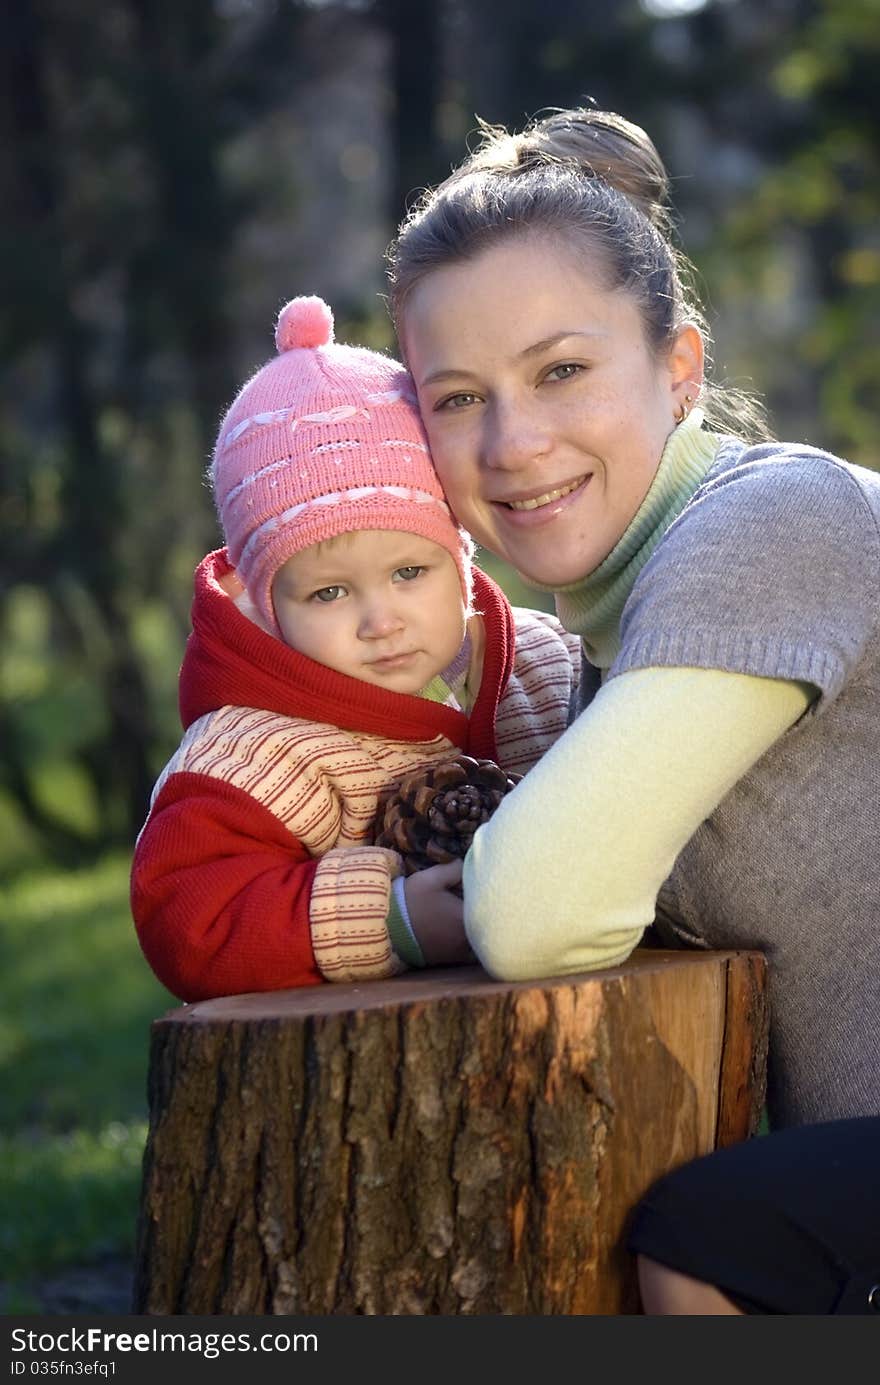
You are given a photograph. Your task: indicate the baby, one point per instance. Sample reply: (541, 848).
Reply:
(341, 639)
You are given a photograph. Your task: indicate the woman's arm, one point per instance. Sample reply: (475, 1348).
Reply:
(565, 876)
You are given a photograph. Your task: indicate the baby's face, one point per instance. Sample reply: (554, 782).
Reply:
(378, 605)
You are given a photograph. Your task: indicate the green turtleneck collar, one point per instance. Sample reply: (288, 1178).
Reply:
(593, 606)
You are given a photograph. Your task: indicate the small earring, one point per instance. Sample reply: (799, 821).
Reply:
(683, 409)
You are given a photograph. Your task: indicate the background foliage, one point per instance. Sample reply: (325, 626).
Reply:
(173, 173)
(177, 172)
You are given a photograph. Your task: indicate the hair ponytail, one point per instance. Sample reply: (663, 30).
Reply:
(600, 144)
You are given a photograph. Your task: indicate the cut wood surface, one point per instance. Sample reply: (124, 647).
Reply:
(437, 1144)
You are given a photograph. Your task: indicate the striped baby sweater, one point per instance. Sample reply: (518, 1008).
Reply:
(254, 870)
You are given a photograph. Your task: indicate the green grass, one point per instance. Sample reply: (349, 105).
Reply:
(76, 1002)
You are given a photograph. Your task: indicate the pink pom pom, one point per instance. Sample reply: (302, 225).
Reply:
(304, 322)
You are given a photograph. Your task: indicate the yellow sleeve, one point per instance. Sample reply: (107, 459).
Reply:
(565, 876)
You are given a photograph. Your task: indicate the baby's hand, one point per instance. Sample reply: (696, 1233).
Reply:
(436, 913)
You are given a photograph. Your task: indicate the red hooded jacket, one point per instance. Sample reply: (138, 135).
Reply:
(238, 883)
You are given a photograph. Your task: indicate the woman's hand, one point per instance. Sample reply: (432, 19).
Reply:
(436, 914)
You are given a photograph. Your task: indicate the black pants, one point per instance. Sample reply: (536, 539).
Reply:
(784, 1223)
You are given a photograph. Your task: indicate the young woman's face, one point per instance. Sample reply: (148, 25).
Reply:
(378, 605)
(545, 408)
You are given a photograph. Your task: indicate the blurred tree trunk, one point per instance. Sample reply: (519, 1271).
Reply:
(415, 31)
(179, 110)
(85, 547)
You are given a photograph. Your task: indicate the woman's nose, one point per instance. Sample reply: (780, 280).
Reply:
(513, 437)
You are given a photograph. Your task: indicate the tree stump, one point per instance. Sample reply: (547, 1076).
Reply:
(437, 1144)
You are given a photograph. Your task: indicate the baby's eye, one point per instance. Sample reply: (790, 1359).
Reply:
(565, 371)
(408, 573)
(328, 594)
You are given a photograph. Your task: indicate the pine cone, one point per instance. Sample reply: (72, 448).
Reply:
(432, 816)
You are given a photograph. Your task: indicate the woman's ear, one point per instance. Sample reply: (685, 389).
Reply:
(686, 361)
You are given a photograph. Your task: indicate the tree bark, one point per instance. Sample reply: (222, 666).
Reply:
(437, 1144)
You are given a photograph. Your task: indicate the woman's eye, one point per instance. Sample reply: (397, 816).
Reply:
(566, 371)
(328, 594)
(408, 573)
(456, 401)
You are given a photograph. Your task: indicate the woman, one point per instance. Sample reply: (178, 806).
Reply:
(721, 781)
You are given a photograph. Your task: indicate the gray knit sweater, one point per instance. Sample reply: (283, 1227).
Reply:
(773, 569)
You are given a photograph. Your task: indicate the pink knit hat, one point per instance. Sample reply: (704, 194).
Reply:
(325, 439)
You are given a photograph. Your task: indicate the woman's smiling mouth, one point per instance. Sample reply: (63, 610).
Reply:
(537, 502)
